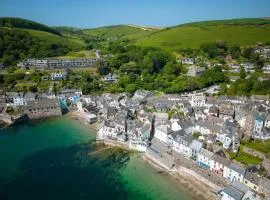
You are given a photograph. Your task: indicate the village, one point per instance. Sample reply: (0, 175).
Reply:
(199, 134)
(189, 131)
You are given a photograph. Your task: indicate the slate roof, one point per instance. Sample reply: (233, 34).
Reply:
(233, 192)
(206, 153)
(196, 145)
(237, 168)
(221, 160)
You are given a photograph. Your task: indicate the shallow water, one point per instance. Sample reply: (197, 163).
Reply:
(50, 160)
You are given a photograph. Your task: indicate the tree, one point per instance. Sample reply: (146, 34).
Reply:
(242, 73)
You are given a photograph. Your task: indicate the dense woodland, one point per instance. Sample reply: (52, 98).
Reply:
(16, 45)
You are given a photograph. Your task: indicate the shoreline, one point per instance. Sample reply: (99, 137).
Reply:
(194, 184)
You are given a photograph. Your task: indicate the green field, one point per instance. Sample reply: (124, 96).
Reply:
(118, 31)
(75, 43)
(193, 37)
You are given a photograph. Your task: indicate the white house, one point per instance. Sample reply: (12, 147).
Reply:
(194, 149)
(204, 158)
(197, 101)
(162, 132)
(234, 173)
(188, 61)
(175, 126)
(236, 191)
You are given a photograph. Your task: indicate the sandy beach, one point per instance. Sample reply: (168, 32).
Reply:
(193, 183)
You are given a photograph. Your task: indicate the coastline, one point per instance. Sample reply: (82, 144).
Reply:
(197, 186)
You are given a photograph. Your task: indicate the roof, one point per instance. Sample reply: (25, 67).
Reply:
(237, 168)
(252, 176)
(43, 103)
(221, 160)
(165, 129)
(233, 192)
(196, 145)
(188, 138)
(206, 153)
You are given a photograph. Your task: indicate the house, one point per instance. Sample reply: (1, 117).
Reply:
(234, 173)
(141, 94)
(15, 99)
(184, 145)
(204, 158)
(265, 186)
(249, 67)
(43, 108)
(226, 111)
(197, 101)
(259, 124)
(29, 96)
(188, 61)
(108, 129)
(195, 148)
(91, 118)
(194, 71)
(57, 76)
(266, 69)
(161, 106)
(110, 78)
(174, 139)
(175, 126)
(219, 164)
(252, 178)
(57, 63)
(235, 191)
(162, 132)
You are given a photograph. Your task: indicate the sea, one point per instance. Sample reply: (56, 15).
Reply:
(58, 159)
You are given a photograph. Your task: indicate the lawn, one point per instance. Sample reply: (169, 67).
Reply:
(174, 39)
(245, 158)
(259, 145)
(74, 43)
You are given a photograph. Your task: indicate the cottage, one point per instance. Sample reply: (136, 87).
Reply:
(195, 148)
(252, 178)
(110, 78)
(234, 173)
(194, 71)
(29, 96)
(43, 108)
(204, 158)
(162, 132)
(57, 76)
(197, 101)
(184, 145)
(226, 111)
(188, 61)
(219, 164)
(15, 99)
(236, 191)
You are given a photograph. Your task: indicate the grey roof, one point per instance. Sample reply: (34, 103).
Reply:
(196, 145)
(29, 95)
(206, 153)
(252, 175)
(221, 160)
(237, 168)
(43, 103)
(233, 192)
(188, 138)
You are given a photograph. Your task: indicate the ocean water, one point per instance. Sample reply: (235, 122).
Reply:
(59, 159)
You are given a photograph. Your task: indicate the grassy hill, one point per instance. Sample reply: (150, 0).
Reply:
(242, 32)
(124, 31)
(26, 24)
(69, 41)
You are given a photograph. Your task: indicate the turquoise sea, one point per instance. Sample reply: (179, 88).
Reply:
(54, 159)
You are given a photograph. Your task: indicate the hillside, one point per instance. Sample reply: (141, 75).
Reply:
(124, 31)
(242, 32)
(72, 42)
(26, 24)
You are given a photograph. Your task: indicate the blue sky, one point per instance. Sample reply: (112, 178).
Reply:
(95, 13)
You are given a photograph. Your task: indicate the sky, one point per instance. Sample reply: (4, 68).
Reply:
(96, 13)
